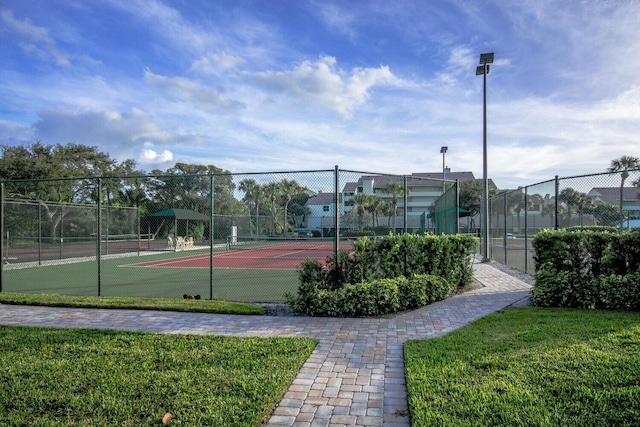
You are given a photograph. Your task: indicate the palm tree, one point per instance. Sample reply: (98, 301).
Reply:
(550, 211)
(252, 193)
(570, 197)
(395, 189)
(517, 202)
(272, 191)
(288, 188)
(376, 205)
(362, 201)
(623, 164)
(584, 204)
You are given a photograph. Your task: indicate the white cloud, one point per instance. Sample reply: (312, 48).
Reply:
(123, 135)
(335, 17)
(215, 63)
(150, 156)
(39, 43)
(180, 89)
(323, 83)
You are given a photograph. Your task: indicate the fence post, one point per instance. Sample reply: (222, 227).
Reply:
(504, 229)
(555, 203)
(405, 198)
(211, 194)
(2, 254)
(526, 231)
(40, 232)
(457, 206)
(336, 212)
(99, 237)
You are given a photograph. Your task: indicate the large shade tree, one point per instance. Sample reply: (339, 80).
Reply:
(58, 174)
(188, 186)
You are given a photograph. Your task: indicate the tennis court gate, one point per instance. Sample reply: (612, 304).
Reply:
(198, 234)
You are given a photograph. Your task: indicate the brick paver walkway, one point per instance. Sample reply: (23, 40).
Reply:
(354, 377)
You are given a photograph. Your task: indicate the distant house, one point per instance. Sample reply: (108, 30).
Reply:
(630, 202)
(321, 209)
(611, 195)
(423, 190)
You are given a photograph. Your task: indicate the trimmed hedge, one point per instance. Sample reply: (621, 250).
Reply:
(384, 276)
(375, 298)
(587, 269)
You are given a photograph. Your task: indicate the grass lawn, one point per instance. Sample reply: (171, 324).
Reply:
(529, 367)
(188, 305)
(80, 377)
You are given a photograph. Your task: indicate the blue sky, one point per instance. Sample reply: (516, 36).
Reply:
(279, 85)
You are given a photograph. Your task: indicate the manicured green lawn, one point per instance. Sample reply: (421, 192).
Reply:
(529, 367)
(75, 377)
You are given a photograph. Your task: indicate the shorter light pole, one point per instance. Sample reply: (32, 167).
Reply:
(443, 150)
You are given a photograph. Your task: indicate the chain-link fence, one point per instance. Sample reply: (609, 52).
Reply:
(220, 236)
(609, 199)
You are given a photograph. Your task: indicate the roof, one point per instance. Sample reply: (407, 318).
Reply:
(181, 214)
(415, 179)
(323, 199)
(611, 195)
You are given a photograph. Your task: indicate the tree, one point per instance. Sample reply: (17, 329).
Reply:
(623, 165)
(188, 186)
(253, 192)
(549, 210)
(273, 191)
(470, 197)
(577, 200)
(54, 174)
(361, 201)
(288, 188)
(375, 206)
(607, 214)
(516, 201)
(396, 190)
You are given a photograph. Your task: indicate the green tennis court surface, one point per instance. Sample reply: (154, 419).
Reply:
(119, 278)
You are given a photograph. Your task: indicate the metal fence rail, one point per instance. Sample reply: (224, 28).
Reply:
(221, 236)
(609, 199)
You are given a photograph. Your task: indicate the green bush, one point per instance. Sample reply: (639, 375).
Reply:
(620, 292)
(422, 289)
(374, 298)
(384, 275)
(587, 269)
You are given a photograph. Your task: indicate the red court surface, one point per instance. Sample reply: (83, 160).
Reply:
(278, 257)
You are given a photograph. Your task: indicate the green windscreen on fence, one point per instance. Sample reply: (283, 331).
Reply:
(446, 211)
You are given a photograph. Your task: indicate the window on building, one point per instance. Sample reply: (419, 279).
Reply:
(325, 208)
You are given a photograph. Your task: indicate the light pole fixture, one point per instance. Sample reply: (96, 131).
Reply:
(443, 150)
(483, 70)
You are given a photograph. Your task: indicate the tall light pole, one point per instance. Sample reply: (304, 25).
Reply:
(483, 70)
(443, 150)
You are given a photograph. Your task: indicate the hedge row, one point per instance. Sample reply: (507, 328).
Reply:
(384, 275)
(375, 298)
(587, 269)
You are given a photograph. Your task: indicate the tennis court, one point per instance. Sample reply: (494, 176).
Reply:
(273, 254)
(252, 271)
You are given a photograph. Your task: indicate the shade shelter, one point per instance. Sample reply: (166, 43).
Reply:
(176, 215)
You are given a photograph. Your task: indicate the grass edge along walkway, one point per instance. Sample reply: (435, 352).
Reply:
(529, 366)
(87, 377)
(135, 303)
